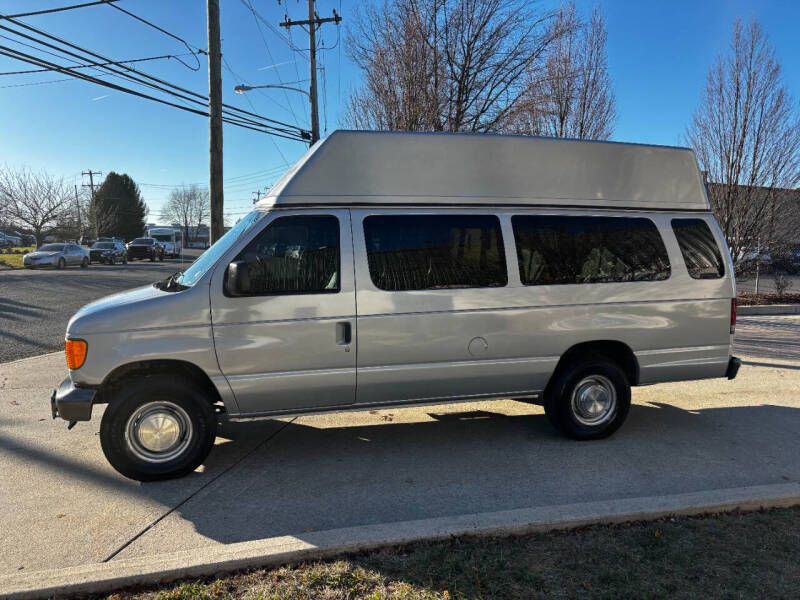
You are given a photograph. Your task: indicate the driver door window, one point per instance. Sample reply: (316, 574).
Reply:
(295, 255)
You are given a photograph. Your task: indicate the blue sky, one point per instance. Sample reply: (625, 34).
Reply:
(659, 54)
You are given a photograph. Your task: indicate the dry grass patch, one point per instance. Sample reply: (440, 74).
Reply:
(735, 555)
(12, 257)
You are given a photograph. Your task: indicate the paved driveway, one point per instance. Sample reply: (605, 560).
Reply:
(35, 306)
(63, 505)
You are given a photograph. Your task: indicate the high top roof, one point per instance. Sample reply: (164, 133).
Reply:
(364, 167)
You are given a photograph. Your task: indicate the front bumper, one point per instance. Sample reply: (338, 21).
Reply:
(72, 403)
(733, 367)
(140, 253)
(42, 262)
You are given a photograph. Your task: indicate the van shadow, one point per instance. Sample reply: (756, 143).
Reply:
(310, 478)
(272, 478)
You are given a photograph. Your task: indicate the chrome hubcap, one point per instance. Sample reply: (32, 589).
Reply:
(158, 431)
(594, 400)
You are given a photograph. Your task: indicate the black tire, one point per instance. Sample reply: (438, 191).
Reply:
(159, 392)
(61, 264)
(581, 378)
(84, 263)
(153, 257)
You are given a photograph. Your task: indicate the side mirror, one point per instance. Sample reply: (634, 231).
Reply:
(237, 282)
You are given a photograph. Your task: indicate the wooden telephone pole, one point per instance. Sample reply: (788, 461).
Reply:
(215, 122)
(92, 203)
(313, 22)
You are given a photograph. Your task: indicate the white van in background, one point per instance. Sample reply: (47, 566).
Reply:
(387, 269)
(169, 237)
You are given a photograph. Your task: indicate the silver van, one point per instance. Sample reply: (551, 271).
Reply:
(394, 268)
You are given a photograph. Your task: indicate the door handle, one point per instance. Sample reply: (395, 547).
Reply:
(343, 334)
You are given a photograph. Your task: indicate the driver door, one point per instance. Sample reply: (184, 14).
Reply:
(290, 343)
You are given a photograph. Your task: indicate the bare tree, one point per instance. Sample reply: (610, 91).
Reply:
(571, 96)
(189, 207)
(35, 201)
(444, 65)
(746, 135)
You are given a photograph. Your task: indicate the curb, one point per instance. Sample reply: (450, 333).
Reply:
(19, 360)
(105, 577)
(769, 309)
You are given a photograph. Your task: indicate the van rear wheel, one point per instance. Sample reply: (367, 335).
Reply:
(158, 428)
(589, 399)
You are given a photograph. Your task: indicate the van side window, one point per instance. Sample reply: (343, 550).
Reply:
(554, 250)
(294, 255)
(424, 252)
(699, 249)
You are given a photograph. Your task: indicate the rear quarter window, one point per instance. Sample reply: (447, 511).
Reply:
(699, 249)
(562, 250)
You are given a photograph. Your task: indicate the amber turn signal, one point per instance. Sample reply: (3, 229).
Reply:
(76, 353)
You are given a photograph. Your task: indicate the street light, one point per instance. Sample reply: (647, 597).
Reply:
(241, 88)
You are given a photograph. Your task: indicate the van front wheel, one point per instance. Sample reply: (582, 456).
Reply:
(589, 399)
(158, 428)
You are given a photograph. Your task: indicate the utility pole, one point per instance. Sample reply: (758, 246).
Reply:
(257, 196)
(78, 212)
(92, 203)
(313, 22)
(215, 122)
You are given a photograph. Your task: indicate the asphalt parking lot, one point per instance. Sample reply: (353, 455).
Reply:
(63, 505)
(36, 305)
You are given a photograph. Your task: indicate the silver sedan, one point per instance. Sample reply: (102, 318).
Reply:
(57, 255)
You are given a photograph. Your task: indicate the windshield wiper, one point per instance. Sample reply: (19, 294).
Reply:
(170, 284)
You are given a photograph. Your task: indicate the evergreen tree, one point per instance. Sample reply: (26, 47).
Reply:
(117, 208)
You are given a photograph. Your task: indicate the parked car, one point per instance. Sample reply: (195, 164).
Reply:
(12, 238)
(454, 267)
(108, 252)
(142, 248)
(5, 242)
(58, 255)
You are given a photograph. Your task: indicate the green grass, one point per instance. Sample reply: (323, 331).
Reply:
(14, 258)
(735, 555)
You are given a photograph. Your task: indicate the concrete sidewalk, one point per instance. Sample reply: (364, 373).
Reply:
(303, 479)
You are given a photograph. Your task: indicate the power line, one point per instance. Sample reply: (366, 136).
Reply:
(238, 77)
(60, 9)
(244, 176)
(189, 47)
(243, 116)
(184, 95)
(249, 5)
(90, 65)
(274, 143)
(16, 85)
(11, 53)
(286, 40)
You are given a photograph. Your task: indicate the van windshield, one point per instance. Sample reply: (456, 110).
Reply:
(211, 256)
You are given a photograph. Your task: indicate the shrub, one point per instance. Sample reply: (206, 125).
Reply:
(782, 283)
